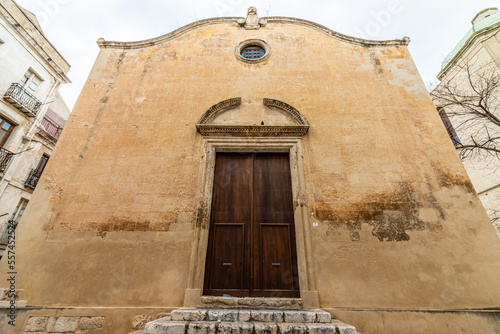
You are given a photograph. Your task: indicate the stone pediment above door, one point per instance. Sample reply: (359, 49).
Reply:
(267, 118)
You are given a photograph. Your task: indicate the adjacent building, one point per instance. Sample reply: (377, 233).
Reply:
(32, 113)
(255, 162)
(475, 60)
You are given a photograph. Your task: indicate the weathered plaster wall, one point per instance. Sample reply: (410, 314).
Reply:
(398, 219)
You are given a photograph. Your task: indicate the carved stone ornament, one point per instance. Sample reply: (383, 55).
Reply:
(252, 21)
(213, 123)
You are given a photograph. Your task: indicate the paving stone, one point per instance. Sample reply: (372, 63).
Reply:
(162, 315)
(248, 321)
(323, 317)
(165, 326)
(66, 324)
(202, 327)
(267, 316)
(223, 315)
(219, 301)
(36, 324)
(244, 315)
(321, 328)
(140, 321)
(345, 328)
(246, 328)
(189, 315)
(90, 323)
(300, 316)
(265, 328)
(287, 328)
(51, 324)
(288, 303)
(234, 328)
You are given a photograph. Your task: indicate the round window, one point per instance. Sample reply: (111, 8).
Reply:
(253, 52)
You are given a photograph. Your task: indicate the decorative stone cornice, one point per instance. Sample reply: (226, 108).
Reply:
(237, 21)
(206, 128)
(474, 39)
(288, 109)
(331, 33)
(253, 130)
(218, 109)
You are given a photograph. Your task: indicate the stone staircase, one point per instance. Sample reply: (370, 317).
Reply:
(247, 320)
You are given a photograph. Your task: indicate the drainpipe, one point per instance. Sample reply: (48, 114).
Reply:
(56, 85)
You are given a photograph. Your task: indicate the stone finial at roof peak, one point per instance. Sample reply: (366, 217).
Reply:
(252, 21)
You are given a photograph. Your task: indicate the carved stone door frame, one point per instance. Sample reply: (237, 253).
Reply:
(305, 261)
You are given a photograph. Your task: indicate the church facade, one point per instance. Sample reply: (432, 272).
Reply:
(240, 159)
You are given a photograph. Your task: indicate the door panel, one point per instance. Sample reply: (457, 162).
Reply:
(228, 259)
(230, 201)
(276, 263)
(230, 206)
(272, 188)
(252, 248)
(273, 236)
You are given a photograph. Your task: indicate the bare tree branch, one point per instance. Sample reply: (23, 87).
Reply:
(471, 101)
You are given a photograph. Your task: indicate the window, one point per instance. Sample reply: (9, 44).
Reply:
(21, 206)
(253, 52)
(5, 130)
(41, 166)
(30, 81)
(36, 173)
(449, 127)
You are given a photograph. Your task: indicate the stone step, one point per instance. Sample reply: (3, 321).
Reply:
(287, 303)
(167, 326)
(253, 315)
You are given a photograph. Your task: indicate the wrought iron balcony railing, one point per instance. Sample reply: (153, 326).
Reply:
(5, 158)
(51, 127)
(23, 100)
(32, 179)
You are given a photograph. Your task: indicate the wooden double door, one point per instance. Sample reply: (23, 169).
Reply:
(251, 249)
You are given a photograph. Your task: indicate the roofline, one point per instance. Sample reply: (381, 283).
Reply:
(41, 32)
(481, 12)
(465, 48)
(42, 52)
(103, 44)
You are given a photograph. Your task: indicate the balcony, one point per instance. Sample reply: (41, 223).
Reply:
(6, 233)
(5, 158)
(51, 128)
(23, 100)
(32, 179)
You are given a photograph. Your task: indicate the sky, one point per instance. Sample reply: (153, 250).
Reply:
(73, 26)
